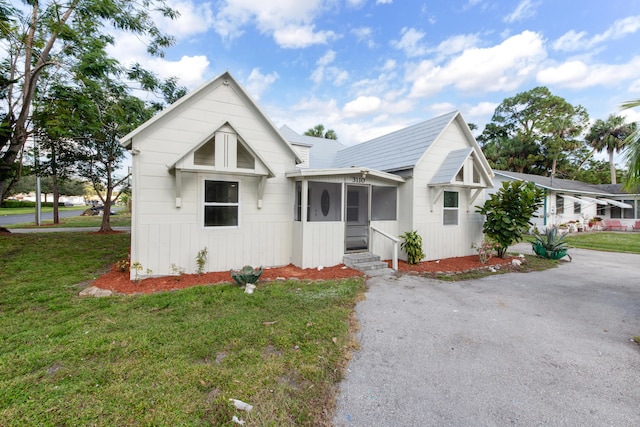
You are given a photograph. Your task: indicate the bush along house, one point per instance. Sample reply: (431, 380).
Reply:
(212, 171)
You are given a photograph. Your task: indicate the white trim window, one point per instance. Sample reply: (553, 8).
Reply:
(221, 203)
(451, 208)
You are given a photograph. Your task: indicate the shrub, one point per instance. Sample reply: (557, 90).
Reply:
(412, 245)
(509, 211)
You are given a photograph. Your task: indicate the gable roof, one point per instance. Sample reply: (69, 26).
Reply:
(398, 150)
(186, 101)
(263, 165)
(322, 151)
(451, 166)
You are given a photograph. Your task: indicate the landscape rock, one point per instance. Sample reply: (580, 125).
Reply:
(93, 291)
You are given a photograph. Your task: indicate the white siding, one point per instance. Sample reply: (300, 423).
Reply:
(444, 241)
(163, 234)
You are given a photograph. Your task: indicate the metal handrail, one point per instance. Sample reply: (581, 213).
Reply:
(395, 240)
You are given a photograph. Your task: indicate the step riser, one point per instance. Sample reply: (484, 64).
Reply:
(364, 262)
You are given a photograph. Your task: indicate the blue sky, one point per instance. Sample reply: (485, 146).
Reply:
(368, 67)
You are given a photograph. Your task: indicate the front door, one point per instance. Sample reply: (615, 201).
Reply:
(357, 218)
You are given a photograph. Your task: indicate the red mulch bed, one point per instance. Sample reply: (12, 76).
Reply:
(119, 282)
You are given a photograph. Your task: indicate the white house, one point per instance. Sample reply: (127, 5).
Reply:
(213, 171)
(568, 200)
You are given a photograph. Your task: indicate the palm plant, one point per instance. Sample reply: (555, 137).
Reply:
(611, 135)
(632, 152)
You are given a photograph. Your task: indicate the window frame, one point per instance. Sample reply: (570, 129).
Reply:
(206, 204)
(559, 204)
(446, 208)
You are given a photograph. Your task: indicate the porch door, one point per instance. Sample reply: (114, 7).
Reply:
(357, 218)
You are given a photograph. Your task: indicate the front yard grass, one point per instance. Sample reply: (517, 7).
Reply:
(173, 358)
(121, 219)
(606, 241)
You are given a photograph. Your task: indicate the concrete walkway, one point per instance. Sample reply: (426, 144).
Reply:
(544, 348)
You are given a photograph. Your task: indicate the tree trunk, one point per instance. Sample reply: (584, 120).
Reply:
(612, 168)
(56, 196)
(105, 227)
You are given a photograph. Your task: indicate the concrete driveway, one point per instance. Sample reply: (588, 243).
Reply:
(545, 348)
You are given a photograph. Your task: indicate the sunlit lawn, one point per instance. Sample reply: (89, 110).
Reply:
(173, 358)
(607, 241)
(122, 219)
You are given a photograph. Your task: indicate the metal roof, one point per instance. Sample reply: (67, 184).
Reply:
(568, 185)
(398, 150)
(322, 151)
(451, 166)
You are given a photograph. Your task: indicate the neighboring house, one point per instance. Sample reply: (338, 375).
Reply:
(567, 200)
(213, 171)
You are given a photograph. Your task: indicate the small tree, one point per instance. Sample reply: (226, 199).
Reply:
(509, 211)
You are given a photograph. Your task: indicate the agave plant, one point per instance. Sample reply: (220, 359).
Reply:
(551, 244)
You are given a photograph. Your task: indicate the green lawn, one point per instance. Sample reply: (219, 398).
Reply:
(122, 219)
(606, 241)
(25, 211)
(173, 358)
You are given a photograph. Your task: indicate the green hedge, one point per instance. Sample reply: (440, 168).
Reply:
(23, 204)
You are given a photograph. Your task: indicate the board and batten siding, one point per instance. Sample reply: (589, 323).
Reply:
(164, 235)
(444, 241)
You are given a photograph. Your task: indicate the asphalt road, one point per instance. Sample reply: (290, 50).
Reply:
(545, 348)
(17, 219)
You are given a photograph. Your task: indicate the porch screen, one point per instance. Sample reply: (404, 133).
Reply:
(383, 203)
(221, 204)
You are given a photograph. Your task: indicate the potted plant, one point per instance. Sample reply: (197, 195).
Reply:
(550, 244)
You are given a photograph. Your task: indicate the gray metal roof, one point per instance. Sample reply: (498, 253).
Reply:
(322, 151)
(396, 151)
(451, 165)
(558, 184)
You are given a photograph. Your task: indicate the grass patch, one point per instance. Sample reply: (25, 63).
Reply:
(636, 340)
(25, 211)
(606, 241)
(122, 219)
(173, 358)
(532, 263)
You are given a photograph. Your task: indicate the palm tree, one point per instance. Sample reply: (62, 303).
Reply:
(319, 132)
(610, 135)
(632, 152)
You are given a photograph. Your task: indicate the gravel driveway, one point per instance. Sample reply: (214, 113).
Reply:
(545, 348)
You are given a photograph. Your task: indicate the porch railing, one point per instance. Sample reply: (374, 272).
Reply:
(395, 241)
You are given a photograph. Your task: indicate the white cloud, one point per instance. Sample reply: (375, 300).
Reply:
(355, 3)
(299, 36)
(572, 41)
(578, 75)
(323, 71)
(193, 19)
(524, 10)
(384, 1)
(364, 35)
(389, 65)
(327, 59)
(499, 68)
(129, 49)
(257, 82)
(362, 105)
(410, 42)
(482, 109)
(458, 43)
(289, 21)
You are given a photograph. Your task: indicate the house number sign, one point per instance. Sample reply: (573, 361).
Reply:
(358, 180)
